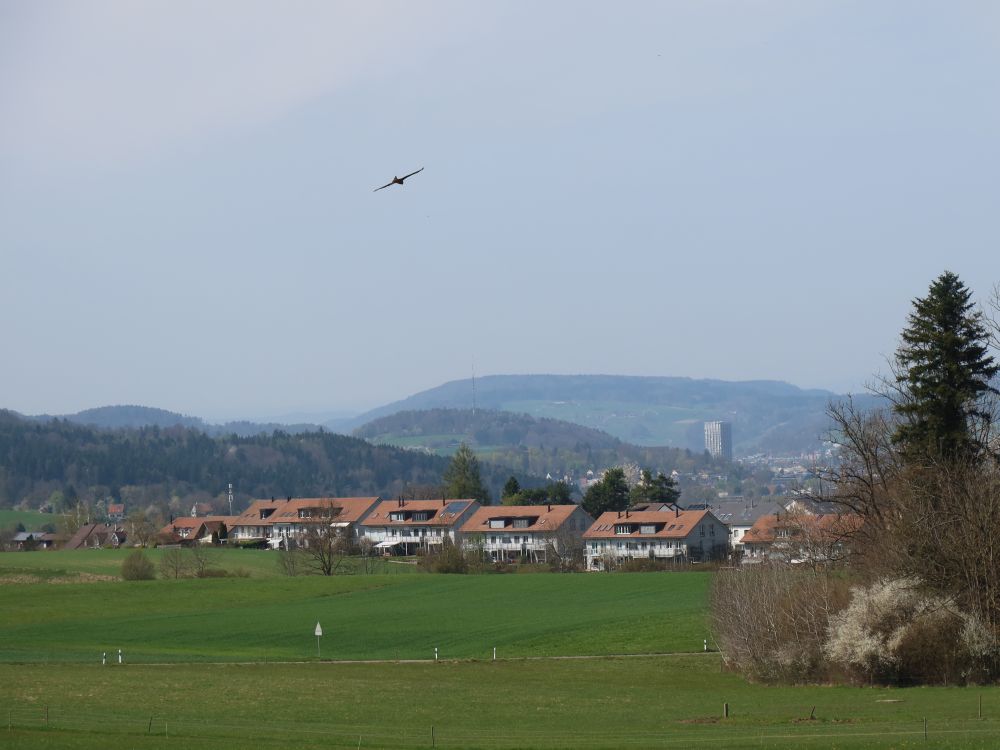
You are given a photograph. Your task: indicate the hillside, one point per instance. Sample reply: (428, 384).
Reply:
(134, 417)
(530, 444)
(155, 464)
(766, 415)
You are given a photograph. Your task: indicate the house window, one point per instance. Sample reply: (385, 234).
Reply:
(701, 529)
(420, 515)
(497, 523)
(522, 523)
(711, 530)
(305, 512)
(397, 515)
(623, 528)
(647, 529)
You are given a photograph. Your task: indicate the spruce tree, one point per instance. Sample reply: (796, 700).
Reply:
(943, 373)
(462, 478)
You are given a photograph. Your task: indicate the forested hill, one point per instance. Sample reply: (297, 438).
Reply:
(766, 415)
(40, 458)
(529, 444)
(134, 417)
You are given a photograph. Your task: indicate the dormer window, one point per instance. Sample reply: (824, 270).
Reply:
(647, 528)
(397, 515)
(305, 512)
(522, 523)
(498, 523)
(266, 513)
(421, 515)
(623, 528)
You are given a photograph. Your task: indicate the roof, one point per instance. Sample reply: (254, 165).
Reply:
(830, 526)
(672, 524)
(742, 512)
(116, 508)
(251, 516)
(99, 531)
(542, 517)
(339, 509)
(211, 523)
(441, 512)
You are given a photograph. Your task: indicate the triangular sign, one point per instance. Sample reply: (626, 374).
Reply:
(319, 630)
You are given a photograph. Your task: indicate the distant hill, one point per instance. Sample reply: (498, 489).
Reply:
(135, 417)
(766, 415)
(532, 445)
(42, 457)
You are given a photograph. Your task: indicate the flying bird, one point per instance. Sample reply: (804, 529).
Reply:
(397, 180)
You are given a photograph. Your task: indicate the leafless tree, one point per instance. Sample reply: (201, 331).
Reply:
(200, 556)
(174, 563)
(140, 528)
(324, 547)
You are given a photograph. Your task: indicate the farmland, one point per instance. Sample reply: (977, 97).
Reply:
(232, 662)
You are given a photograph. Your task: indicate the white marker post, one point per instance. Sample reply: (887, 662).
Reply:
(319, 632)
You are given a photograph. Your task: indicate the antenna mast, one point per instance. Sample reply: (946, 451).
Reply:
(230, 498)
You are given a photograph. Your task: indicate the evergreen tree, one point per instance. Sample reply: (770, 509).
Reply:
(610, 493)
(511, 487)
(943, 372)
(659, 489)
(462, 478)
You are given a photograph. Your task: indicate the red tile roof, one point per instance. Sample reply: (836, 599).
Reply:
(441, 512)
(339, 509)
(670, 524)
(542, 517)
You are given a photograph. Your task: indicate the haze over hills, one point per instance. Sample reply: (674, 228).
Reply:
(666, 411)
(529, 444)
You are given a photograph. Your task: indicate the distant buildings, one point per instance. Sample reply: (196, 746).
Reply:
(719, 439)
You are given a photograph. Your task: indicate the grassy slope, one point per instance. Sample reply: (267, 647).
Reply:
(32, 519)
(606, 703)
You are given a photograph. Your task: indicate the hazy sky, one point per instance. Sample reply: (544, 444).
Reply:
(734, 190)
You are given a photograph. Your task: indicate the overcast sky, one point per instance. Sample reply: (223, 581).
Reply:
(734, 190)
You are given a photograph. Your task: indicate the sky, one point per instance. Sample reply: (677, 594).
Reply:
(751, 189)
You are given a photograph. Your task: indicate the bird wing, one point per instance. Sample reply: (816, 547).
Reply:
(383, 187)
(412, 173)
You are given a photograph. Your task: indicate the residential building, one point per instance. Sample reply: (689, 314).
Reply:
(205, 530)
(96, 535)
(507, 533)
(405, 526)
(800, 537)
(273, 522)
(739, 515)
(719, 439)
(667, 534)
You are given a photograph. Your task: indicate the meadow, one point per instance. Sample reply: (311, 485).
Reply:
(233, 663)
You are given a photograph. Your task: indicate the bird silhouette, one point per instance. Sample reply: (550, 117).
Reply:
(397, 180)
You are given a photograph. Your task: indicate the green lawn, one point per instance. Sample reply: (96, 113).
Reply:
(364, 616)
(670, 702)
(32, 519)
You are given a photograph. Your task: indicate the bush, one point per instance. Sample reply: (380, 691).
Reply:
(138, 567)
(895, 632)
(449, 559)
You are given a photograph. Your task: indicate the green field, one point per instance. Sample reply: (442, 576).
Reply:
(670, 702)
(364, 616)
(232, 662)
(32, 519)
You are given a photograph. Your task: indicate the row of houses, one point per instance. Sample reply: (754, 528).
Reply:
(661, 532)
(797, 531)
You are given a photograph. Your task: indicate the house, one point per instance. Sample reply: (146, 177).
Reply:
(665, 534)
(31, 540)
(800, 537)
(507, 533)
(96, 536)
(190, 530)
(116, 511)
(739, 515)
(254, 526)
(293, 519)
(405, 526)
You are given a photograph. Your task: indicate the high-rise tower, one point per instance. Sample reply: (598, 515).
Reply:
(719, 439)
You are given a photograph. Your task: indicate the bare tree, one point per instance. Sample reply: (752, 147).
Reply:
(200, 556)
(174, 563)
(140, 528)
(325, 545)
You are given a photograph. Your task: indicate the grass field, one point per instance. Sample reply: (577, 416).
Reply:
(382, 616)
(32, 520)
(673, 702)
(232, 662)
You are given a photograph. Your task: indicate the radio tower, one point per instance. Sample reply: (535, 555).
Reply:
(230, 498)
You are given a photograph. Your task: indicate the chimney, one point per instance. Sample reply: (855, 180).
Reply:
(677, 511)
(442, 502)
(619, 514)
(549, 506)
(626, 513)
(289, 498)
